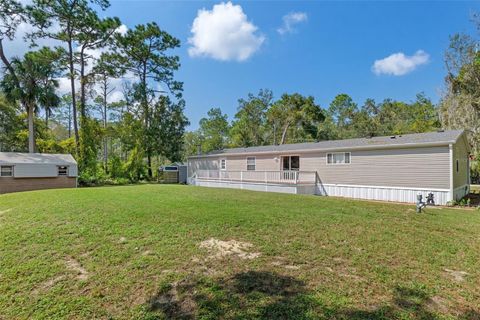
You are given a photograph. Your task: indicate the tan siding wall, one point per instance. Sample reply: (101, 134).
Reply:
(410, 167)
(460, 153)
(413, 167)
(9, 184)
(262, 163)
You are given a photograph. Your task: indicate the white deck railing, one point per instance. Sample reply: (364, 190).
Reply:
(290, 177)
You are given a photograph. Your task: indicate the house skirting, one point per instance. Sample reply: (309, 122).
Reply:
(382, 193)
(396, 194)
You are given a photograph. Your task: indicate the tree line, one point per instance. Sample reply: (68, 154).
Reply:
(293, 118)
(91, 52)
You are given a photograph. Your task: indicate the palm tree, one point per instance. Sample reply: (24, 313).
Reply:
(32, 82)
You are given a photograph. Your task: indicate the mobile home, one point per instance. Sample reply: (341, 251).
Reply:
(390, 168)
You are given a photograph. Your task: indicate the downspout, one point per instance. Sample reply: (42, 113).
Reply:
(469, 181)
(450, 147)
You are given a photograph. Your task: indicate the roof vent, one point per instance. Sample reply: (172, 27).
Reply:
(440, 131)
(393, 137)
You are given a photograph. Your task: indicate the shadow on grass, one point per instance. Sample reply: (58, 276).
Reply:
(268, 295)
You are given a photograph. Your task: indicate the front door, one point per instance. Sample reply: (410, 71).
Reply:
(289, 164)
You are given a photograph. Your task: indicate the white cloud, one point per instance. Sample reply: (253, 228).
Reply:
(64, 85)
(224, 33)
(115, 96)
(122, 29)
(290, 20)
(398, 64)
(19, 46)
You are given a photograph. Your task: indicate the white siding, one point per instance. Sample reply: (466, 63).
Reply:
(72, 171)
(27, 170)
(408, 195)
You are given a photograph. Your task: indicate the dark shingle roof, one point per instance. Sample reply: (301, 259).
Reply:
(438, 137)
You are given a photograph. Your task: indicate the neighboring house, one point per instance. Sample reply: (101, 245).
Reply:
(392, 168)
(33, 171)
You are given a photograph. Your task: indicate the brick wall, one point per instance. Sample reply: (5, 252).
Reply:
(10, 184)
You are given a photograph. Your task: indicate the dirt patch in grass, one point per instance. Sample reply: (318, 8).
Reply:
(147, 253)
(282, 262)
(75, 266)
(457, 275)
(47, 285)
(219, 249)
(437, 304)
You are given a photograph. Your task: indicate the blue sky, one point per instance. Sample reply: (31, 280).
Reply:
(330, 50)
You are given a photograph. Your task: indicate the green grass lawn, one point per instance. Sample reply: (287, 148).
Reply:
(138, 252)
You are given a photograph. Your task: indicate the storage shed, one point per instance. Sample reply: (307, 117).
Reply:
(174, 173)
(34, 171)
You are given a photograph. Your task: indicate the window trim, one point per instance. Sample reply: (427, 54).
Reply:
(221, 167)
(11, 171)
(289, 156)
(66, 171)
(254, 163)
(344, 157)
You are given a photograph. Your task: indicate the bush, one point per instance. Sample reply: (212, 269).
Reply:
(88, 180)
(115, 168)
(134, 168)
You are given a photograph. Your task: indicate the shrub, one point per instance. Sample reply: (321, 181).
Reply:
(134, 168)
(452, 203)
(89, 180)
(115, 168)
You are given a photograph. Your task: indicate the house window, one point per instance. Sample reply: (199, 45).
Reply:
(339, 158)
(223, 164)
(291, 163)
(6, 171)
(251, 163)
(457, 164)
(62, 170)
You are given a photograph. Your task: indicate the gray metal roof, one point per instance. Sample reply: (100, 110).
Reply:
(36, 158)
(416, 139)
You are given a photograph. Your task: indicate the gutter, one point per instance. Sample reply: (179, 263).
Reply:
(450, 147)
